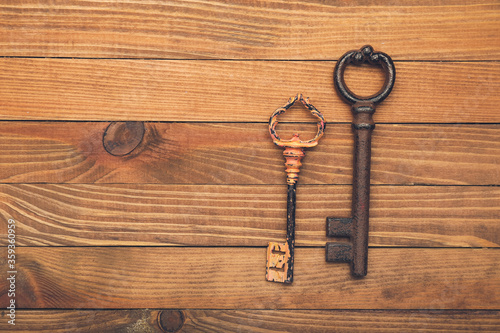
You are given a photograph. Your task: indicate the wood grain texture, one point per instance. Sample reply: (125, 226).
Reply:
(264, 321)
(223, 215)
(182, 222)
(221, 153)
(88, 90)
(230, 278)
(249, 29)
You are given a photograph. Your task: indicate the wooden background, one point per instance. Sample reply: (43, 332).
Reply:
(106, 243)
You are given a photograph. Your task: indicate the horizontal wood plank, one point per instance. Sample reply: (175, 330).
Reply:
(249, 91)
(184, 215)
(249, 29)
(311, 321)
(229, 278)
(221, 153)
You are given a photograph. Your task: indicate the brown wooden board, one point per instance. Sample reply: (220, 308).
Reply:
(111, 243)
(230, 278)
(235, 215)
(91, 89)
(310, 321)
(222, 153)
(245, 29)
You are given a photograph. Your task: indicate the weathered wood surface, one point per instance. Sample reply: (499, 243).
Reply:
(310, 321)
(230, 278)
(88, 90)
(210, 73)
(249, 29)
(221, 153)
(224, 215)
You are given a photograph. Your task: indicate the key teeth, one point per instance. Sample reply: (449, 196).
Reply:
(279, 266)
(338, 252)
(339, 226)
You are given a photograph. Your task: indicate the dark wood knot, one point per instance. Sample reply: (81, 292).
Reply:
(122, 137)
(170, 320)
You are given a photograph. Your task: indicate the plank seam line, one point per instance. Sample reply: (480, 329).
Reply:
(331, 123)
(245, 59)
(236, 247)
(253, 185)
(263, 309)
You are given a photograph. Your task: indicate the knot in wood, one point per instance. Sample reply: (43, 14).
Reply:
(122, 137)
(170, 320)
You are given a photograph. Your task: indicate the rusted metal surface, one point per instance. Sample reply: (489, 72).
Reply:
(356, 228)
(279, 266)
(339, 227)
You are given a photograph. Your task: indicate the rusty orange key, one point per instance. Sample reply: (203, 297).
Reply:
(280, 255)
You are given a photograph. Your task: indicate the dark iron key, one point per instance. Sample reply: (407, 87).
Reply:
(356, 227)
(280, 255)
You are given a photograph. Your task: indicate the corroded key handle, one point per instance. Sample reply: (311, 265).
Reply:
(357, 57)
(294, 147)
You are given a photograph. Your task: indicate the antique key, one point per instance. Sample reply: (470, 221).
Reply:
(356, 227)
(280, 255)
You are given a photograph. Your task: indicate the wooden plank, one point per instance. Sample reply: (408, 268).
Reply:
(249, 91)
(222, 153)
(229, 278)
(184, 215)
(249, 29)
(124, 321)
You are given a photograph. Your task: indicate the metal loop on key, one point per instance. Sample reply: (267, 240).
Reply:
(295, 142)
(357, 57)
(294, 152)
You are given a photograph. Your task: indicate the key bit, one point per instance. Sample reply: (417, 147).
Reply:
(280, 255)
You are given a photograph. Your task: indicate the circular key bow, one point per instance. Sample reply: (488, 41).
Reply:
(357, 57)
(294, 147)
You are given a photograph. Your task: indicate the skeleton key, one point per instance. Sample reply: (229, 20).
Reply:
(280, 255)
(356, 227)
